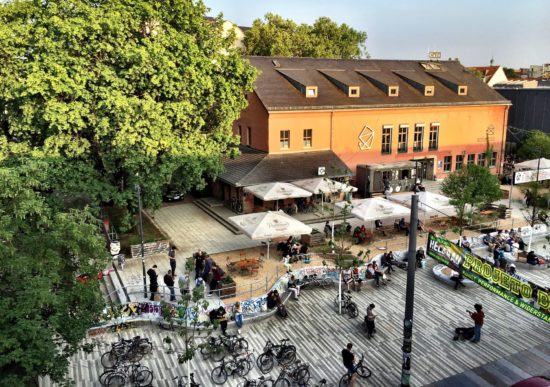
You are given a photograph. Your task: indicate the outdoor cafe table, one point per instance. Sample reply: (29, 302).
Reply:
(245, 265)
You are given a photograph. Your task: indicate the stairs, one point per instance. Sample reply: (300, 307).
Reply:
(108, 289)
(216, 210)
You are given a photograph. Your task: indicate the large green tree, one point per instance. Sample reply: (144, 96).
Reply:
(44, 245)
(144, 92)
(276, 36)
(470, 189)
(536, 144)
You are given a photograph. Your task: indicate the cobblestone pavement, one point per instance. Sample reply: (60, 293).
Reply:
(320, 333)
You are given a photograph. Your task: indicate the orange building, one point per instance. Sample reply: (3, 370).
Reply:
(311, 116)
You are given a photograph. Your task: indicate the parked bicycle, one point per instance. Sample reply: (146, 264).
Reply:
(182, 383)
(126, 351)
(218, 347)
(236, 205)
(236, 366)
(323, 383)
(283, 353)
(263, 381)
(314, 281)
(294, 374)
(118, 376)
(360, 369)
(347, 304)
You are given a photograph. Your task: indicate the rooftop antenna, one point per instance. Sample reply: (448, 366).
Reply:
(492, 60)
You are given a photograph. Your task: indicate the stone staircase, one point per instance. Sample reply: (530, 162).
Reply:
(216, 210)
(111, 289)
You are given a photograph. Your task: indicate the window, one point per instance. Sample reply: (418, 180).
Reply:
(434, 137)
(353, 91)
(418, 137)
(481, 159)
(307, 137)
(311, 92)
(386, 140)
(429, 91)
(471, 159)
(458, 162)
(402, 139)
(249, 143)
(447, 161)
(393, 91)
(285, 139)
(462, 90)
(493, 161)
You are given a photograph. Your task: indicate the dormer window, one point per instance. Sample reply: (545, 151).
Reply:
(429, 91)
(462, 90)
(393, 91)
(353, 91)
(311, 92)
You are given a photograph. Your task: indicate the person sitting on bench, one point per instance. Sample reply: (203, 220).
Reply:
(379, 226)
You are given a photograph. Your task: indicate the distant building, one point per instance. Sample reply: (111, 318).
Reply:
(491, 75)
(229, 27)
(535, 71)
(518, 84)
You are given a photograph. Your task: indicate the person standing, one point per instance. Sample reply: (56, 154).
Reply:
(222, 318)
(153, 281)
(238, 315)
(172, 257)
(369, 321)
(169, 281)
(348, 358)
(207, 268)
(478, 316)
(216, 278)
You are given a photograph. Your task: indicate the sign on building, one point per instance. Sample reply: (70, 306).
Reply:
(531, 175)
(522, 293)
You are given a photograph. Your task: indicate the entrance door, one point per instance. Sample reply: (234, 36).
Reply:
(427, 172)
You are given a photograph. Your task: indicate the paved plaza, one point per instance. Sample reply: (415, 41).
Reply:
(319, 334)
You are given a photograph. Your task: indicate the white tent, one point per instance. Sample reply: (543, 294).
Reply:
(276, 191)
(375, 208)
(268, 225)
(430, 203)
(532, 164)
(320, 185)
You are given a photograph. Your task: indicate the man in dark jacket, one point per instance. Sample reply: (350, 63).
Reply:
(153, 281)
(169, 281)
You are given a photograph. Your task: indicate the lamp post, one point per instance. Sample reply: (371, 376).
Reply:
(409, 295)
(138, 190)
(533, 217)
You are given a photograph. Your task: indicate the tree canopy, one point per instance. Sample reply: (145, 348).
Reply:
(276, 36)
(470, 188)
(142, 92)
(536, 144)
(43, 248)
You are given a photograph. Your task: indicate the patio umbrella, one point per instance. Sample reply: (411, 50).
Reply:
(276, 191)
(532, 164)
(321, 185)
(372, 209)
(268, 225)
(428, 202)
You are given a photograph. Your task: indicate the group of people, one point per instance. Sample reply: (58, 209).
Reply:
(352, 278)
(207, 271)
(361, 234)
(292, 247)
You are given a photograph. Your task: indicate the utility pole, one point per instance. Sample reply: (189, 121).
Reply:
(138, 189)
(409, 295)
(533, 217)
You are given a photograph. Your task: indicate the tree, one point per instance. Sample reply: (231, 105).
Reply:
(536, 144)
(276, 36)
(510, 73)
(143, 92)
(44, 247)
(470, 188)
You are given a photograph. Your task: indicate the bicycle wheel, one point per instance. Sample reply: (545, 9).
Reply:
(282, 383)
(288, 356)
(352, 310)
(218, 375)
(325, 283)
(266, 383)
(243, 367)
(105, 376)
(217, 353)
(145, 346)
(363, 371)
(265, 363)
(206, 351)
(345, 380)
(143, 378)
(109, 359)
(301, 376)
(241, 345)
(117, 379)
(134, 355)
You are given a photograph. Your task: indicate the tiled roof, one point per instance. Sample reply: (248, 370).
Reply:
(277, 93)
(487, 71)
(256, 168)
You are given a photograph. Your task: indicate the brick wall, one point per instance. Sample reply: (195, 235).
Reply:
(149, 249)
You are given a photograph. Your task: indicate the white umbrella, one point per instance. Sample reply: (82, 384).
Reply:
(268, 225)
(533, 164)
(321, 185)
(276, 191)
(428, 202)
(372, 209)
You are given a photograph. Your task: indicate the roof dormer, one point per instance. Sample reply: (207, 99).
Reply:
(302, 80)
(419, 81)
(344, 81)
(384, 82)
(451, 82)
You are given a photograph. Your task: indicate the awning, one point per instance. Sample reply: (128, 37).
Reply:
(321, 185)
(532, 164)
(396, 165)
(276, 191)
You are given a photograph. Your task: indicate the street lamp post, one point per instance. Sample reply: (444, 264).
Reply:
(409, 295)
(138, 189)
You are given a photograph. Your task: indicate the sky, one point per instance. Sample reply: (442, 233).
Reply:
(515, 33)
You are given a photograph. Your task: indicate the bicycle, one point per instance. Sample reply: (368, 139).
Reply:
(323, 383)
(131, 351)
(284, 353)
(216, 347)
(139, 375)
(261, 382)
(360, 369)
(219, 374)
(313, 280)
(181, 381)
(236, 205)
(289, 375)
(347, 304)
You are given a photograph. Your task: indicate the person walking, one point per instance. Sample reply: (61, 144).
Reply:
(238, 315)
(172, 257)
(369, 321)
(478, 316)
(169, 281)
(348, 358)
(153, 281)
(216, 278)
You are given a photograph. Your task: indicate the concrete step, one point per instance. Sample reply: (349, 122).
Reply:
(208, 208)
(111, 290)
(104, 291)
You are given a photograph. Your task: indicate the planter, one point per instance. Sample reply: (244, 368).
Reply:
(227, 290)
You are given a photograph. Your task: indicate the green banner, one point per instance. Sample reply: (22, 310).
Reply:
(513, 289)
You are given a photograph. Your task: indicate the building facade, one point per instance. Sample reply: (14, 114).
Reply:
(375, 116)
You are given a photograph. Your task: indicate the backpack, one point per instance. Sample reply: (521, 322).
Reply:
(213, 315)
(281, 311)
